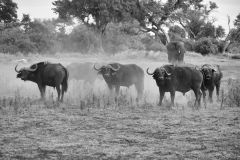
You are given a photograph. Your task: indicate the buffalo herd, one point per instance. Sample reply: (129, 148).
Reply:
(169, 78)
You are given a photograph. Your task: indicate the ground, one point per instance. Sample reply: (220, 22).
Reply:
(91, 124)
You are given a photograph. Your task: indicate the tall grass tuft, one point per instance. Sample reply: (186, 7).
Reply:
(231, 97)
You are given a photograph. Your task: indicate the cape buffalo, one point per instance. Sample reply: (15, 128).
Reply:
(82, 71)
(171, 78)
(46, 74)
(116, 75)
(212, 76)
(175, 51)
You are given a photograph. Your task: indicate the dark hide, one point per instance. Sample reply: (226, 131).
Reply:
(46, 74)
(212, 78)
(175, 51)
(171, 78)
(125, 75)
(82, 71)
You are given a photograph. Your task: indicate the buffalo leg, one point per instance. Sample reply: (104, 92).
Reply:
(217, 90)
(198, 95)
(58, 91)
(110, 87)
(204, 98)
(210, 95)
(161, 97)
(172, 93)
(139, 87)
(117, 88)
(62, 95)
(42, 90)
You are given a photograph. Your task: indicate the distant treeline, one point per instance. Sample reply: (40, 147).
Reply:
(116, 27)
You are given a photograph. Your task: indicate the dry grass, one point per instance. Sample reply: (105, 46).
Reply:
(94, 124)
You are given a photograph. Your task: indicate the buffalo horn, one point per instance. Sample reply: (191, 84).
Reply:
(115, 69)
(16, 69)
(96, 68)
(149, 73)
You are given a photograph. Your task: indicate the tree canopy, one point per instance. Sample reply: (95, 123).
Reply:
(8, 11)
(151, 14)
(193, 16)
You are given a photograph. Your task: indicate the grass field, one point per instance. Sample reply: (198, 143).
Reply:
(92, 124)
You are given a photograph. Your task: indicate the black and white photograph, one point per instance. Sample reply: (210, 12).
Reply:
(119, 80)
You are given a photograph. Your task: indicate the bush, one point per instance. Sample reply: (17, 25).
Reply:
(113, 41)
(232, 97)
(156, 46)
(219, 43)
(188, 44)
(13, 40)
(205, 46)
(151, 44)
(26, 46)
(234, 48)
(116, 40)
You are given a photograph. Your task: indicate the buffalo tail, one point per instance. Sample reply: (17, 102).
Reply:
(65, 81)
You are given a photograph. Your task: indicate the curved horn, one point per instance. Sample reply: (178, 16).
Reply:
(115, 69)
(148, 72)
(169, 74)
(16, 69)
(32, 69)
(215, 67)
(96, 68)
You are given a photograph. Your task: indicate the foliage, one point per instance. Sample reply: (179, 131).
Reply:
(150, 14)
(113, 26)
(209, 30)
(14, 40)
(42, 34)
(234, 35)
(30, 36)
(151, 44)
(116, 40)
(84, 40)
(220, 32)
(193, 15)
(205, 46)
(237, 21)
(234, 48)
(8, 11)
(26, 20)
(188, 44)
(94, 13)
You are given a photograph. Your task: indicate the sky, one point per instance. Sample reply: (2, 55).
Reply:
(43, 9)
